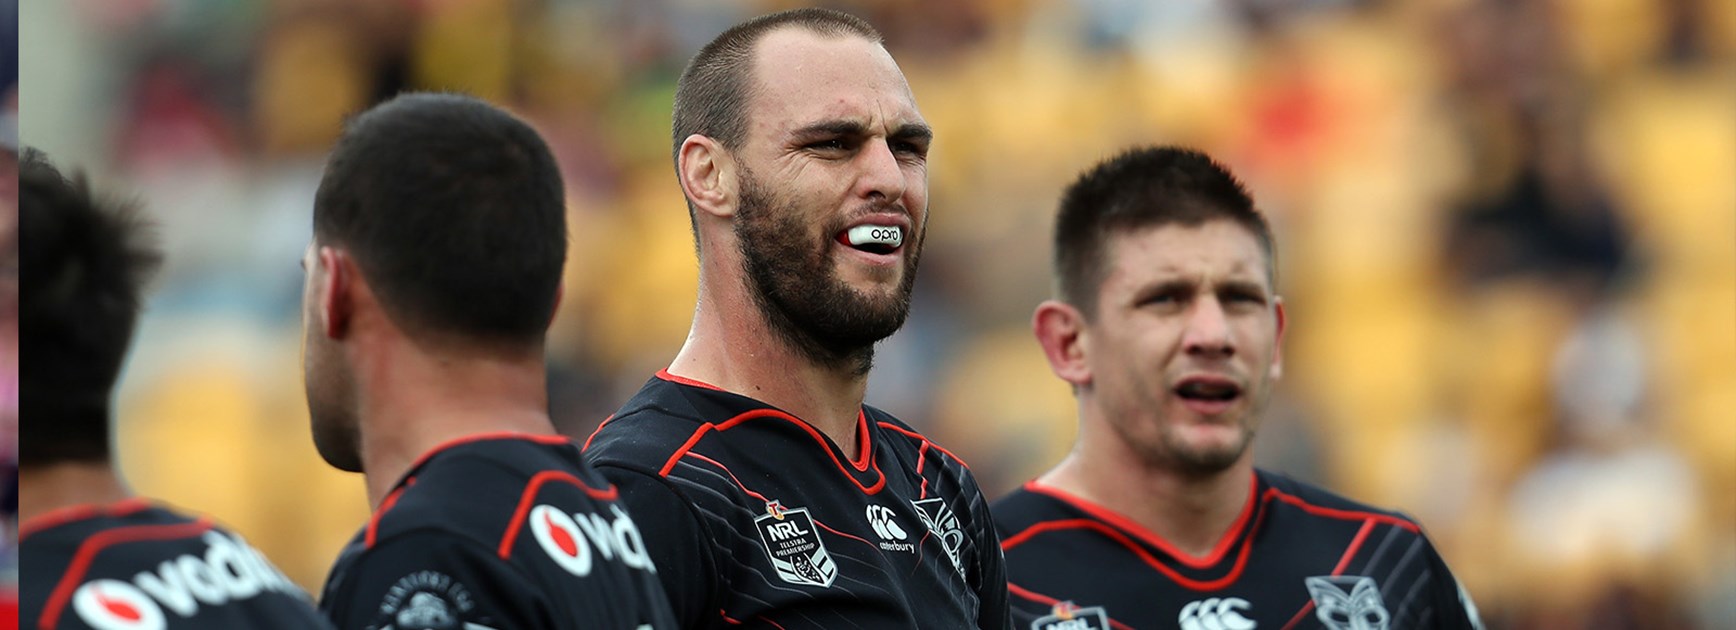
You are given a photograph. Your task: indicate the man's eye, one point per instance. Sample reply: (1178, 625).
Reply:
(833, 144)
(910, 148)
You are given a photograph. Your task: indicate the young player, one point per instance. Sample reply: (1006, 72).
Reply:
(1168, 326)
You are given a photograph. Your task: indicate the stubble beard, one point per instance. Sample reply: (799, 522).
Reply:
(798, 290)
(330, 410)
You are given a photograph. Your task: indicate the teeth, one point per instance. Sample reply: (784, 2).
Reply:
(889, 235)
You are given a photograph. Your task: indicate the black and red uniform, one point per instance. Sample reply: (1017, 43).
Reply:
(133, 565)
(492, 532)
(756, 519)
(1296, 557)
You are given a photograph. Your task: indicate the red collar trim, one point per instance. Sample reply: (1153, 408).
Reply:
(1128, 525)
(864, 439)
(63, 515)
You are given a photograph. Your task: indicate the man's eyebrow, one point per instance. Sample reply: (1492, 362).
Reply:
(1245, 286)
(914, 131)
(831, 128)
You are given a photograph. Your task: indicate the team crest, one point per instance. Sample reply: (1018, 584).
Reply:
(427, 600)
(943, 523)
(1066, 616)
(1348, 602)
(794, 546)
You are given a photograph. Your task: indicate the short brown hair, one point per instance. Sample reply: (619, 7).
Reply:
(1145, 187)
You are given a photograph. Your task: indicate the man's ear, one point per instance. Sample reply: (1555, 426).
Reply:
(708, 176)
(1060, 330)
(336, 280)
(1277, 369)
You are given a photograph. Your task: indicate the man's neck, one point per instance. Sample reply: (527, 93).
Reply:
(1191, 512)
(44, 489)
(412, 402)
(743, 355)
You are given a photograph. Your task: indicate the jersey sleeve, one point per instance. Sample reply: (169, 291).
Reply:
(678, 543)
(434, 579)
(1453, 608)
(990, 570)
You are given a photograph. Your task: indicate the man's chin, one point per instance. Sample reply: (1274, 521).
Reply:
(1209, 449)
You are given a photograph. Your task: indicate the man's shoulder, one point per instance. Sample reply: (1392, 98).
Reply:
(1022, 508)
(95, 532)
(479, 489)
(139, 560)
(659, 420)
(1318, 501)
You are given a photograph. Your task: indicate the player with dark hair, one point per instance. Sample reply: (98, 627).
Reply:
(92, 554)
(1168, 326)
(770, 494)
(439, 237)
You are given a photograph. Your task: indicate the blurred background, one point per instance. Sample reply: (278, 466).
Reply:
(1507, 232)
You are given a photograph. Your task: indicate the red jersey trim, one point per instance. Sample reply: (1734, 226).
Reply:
(665, 375)
(63, 515)
(595, 431)
(819, 439)
(526, 498)
(1118, 536)
(96, 543)
(1343, 562)
(1113, 530)
(1212, 558)
(392, 497)
(1050, 601)
(1348, 515)
(925, 440)
(385, 506)
(551, 440)
(864, 440)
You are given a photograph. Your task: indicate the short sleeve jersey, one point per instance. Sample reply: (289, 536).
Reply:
(756, 519)
(493, 532)
(136, 566)
(1296, 557)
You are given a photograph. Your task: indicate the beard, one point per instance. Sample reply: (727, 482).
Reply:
(796, 286)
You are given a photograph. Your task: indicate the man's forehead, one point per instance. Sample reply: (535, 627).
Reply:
(805, 77)
(1221, 249)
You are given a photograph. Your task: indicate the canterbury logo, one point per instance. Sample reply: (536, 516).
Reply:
(1216, 614)
(880, 518)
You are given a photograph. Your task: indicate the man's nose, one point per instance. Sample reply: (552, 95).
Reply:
(1208, 330)
(880, 174)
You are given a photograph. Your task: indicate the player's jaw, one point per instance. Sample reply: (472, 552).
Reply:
(829, 300)
(1207, 420)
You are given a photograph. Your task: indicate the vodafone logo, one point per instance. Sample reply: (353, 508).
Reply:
(228, 571)
(116, 605)
(573, 540)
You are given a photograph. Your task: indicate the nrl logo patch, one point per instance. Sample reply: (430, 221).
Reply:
(1066, 616)
(940, 520)
(794, 546)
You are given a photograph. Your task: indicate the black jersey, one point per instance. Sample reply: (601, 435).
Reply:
(757, 519)
(497, 531)
(135, 566)
(1297, 557)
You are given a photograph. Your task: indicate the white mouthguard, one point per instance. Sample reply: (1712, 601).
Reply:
(890, 235)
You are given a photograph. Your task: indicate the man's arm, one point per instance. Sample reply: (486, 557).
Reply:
(679, 545)
(991, 567)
